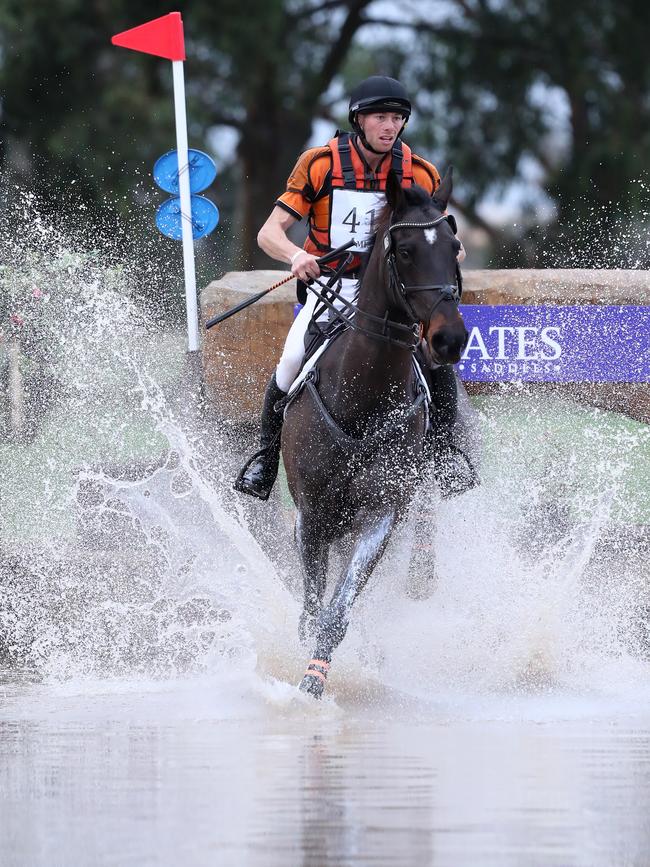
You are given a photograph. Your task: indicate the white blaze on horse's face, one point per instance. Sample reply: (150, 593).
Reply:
(431, 235)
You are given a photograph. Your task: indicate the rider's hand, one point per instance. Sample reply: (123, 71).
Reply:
(461, 254)
(305, 266)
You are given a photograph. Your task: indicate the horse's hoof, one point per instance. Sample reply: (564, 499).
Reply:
(313, 681)
(312, 685)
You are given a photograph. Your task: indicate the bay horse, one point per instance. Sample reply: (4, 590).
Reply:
(354, 436)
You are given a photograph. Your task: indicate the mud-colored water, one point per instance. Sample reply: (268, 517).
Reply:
(490, 704)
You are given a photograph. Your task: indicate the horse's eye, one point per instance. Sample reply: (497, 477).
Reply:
(404, 253)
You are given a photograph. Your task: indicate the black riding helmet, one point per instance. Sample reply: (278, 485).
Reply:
(378, 93)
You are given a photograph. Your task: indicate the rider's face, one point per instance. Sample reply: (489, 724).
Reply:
(381, 129)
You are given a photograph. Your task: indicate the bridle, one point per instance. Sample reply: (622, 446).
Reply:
(448, 291)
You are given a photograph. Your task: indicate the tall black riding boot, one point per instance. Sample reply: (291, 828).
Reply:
(452, 467)
(259, 472)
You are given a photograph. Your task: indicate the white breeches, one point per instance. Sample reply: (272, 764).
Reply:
(294, 346)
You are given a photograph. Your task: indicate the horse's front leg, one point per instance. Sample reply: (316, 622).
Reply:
(372, 532)
(313, 558)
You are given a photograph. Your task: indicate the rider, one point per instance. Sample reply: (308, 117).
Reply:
(340, 188)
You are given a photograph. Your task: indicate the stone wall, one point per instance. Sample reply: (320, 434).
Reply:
(240, 354)
(557, 286)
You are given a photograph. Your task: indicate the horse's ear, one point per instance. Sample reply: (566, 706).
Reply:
(394, 193)
(443, 193)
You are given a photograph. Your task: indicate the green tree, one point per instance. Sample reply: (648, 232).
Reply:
(498, 86)
(268, 82)
(74, 108)
(77, 108)
(566, 89)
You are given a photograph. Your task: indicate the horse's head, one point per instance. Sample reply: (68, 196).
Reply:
(420, 247)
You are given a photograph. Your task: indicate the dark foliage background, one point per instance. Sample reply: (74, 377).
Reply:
(537, 105)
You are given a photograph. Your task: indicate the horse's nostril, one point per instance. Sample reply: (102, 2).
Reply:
(448, 344)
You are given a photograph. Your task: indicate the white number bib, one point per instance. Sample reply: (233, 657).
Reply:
(354, 217)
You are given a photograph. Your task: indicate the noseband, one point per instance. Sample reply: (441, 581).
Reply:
(448, 291)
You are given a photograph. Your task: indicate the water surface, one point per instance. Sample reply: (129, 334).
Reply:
(206, 772)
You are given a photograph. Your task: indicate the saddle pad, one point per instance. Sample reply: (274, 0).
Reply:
(423, 380)
(311, 361)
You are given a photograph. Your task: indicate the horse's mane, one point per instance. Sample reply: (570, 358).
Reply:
(416, 197)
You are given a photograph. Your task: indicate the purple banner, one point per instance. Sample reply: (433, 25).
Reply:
(587, 343)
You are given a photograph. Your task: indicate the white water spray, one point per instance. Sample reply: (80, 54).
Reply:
(127, 554)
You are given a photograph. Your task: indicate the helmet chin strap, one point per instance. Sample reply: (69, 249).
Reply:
(364, 141)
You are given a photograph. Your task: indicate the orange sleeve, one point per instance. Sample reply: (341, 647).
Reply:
(305, 182)
(425, 174)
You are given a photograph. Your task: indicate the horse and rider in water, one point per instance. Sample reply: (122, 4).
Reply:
(377, 402)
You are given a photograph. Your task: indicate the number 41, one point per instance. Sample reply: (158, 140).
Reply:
(351, 220)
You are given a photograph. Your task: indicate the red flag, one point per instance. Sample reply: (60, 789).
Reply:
(163, 37)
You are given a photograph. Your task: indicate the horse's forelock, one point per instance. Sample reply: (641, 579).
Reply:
(416, 198)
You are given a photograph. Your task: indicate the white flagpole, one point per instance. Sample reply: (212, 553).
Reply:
(186, 207)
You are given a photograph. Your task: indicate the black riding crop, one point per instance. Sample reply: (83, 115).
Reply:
(323, 260)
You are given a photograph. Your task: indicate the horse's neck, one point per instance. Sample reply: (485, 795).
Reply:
(368, 375)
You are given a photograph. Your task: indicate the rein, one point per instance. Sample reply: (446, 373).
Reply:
(329, 297)
(353, 310)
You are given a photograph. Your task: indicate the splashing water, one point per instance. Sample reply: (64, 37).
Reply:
(118, 554)
(126, 553)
